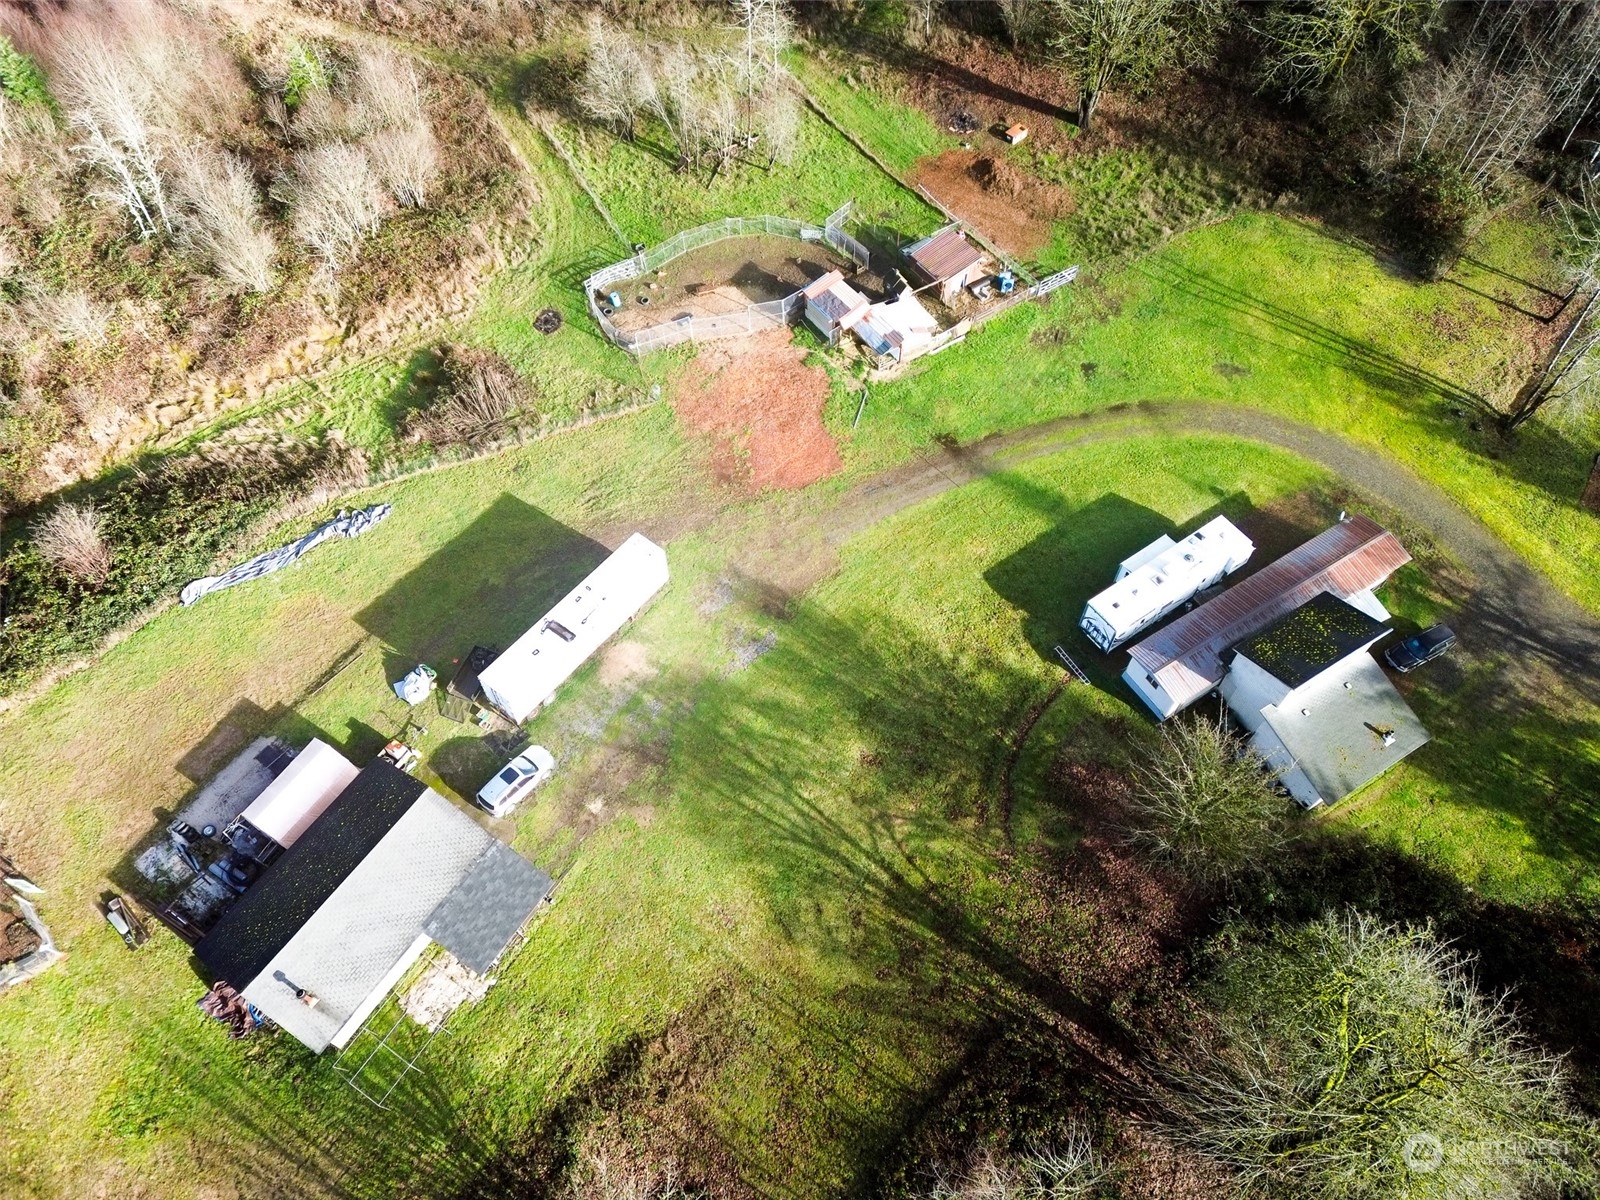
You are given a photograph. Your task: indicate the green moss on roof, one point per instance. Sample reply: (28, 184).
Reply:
(1297, 647)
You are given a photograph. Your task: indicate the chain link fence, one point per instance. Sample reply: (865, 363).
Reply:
(754, 318)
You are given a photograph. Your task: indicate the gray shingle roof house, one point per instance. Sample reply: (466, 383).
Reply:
(1183, 660)
(389, 867)
(1319, 707)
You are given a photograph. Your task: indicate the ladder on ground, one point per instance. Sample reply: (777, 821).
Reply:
(1073, 668)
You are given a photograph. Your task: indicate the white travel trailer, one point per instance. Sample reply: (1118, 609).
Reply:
(528, 674)
(1161, 577)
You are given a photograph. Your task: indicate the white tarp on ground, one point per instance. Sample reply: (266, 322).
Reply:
(302, 793)
(35, 961)
(561, 641)
(345, 525)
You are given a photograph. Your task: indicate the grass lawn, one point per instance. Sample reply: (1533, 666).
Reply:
(798, 850)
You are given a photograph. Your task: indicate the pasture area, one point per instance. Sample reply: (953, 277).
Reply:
(805, 857)
(793, 822)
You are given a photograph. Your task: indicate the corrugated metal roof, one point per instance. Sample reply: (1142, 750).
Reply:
(1185, 657)
(946, 253)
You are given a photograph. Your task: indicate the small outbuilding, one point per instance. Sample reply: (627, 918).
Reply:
(833, 306)
(899, 329)
(949, 260)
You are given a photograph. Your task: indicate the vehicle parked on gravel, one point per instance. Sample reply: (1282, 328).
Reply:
(1410, 653)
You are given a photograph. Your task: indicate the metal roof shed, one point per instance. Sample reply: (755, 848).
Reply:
(541, 660)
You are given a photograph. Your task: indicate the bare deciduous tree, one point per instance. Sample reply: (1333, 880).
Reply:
(335, 199)
(1570, 376)
(1071, 1169)
(70, 540)
(1101, 42)
(615, 89)
(1314, 46)
(406, 159)
(1468, 115)
(112, 104)
(218, 216)
(73, 318)
(1027, 21)
(1205, 804)
(1353, 1058)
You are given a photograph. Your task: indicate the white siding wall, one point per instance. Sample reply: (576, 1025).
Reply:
(1247, 689)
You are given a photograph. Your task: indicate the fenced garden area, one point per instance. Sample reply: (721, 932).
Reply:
(752, 317)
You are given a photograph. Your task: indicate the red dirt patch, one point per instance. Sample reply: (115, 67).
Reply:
(763, 409)
(1012, 208)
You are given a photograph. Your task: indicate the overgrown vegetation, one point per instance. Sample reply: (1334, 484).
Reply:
(478, 397)
(88, 570)
(1354, 1058)
(1202, 802)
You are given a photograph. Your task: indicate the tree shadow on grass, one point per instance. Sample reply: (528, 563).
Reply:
(1538, 454)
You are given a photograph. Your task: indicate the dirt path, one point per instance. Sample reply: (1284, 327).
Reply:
(1509, 604)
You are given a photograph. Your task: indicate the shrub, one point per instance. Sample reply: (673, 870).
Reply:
(335, 199)
(21, 81)
(479, 397)
(1074, 1171)
(1203, 803)
(219, 218)
(70, 540)
(1431, 209)
(70, 317)
(406, 159)
(164, 527)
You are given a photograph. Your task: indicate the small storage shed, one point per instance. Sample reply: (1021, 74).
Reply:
(949, 260)
(833, 306)
(1162, 576)
(311, 782)
(540, 661)
(900, 328)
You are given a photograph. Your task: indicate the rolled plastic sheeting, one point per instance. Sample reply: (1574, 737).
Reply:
(345, 525)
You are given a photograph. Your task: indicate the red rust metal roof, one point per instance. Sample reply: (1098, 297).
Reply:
(1186, 656)
(946, 253)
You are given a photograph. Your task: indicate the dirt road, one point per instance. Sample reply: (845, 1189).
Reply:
(1508, 601)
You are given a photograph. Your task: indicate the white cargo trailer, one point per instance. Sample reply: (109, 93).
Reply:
(1162, 576)
(561, 641)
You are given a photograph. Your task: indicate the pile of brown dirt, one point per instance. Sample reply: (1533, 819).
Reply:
(996, 197)
(998, 175)
(763, 409)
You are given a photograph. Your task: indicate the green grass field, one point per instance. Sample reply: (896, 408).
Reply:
(799, 856)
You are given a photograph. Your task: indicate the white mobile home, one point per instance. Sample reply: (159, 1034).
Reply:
(561, 641)
(1162, 576)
